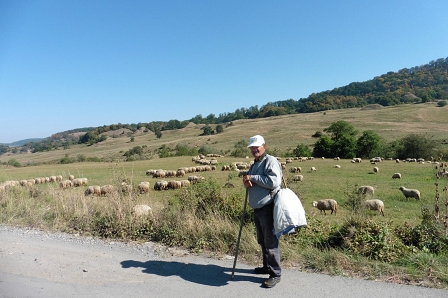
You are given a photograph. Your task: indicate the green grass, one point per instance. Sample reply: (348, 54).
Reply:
(215, 228)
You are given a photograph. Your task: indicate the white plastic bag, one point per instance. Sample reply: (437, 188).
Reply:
(288, 212)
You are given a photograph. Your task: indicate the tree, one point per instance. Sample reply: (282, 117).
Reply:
(302, 150)
(158, 134)
(343, 137)
(207, 130)
(219, 128)
(339, 129)
(322, 147)
(369, 145)
(345, 147)
(415, 146)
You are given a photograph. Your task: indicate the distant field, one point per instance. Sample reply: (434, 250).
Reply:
(282, 133)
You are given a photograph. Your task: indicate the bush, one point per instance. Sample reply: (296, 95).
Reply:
(441, 103)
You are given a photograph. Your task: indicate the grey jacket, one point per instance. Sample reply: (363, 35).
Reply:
(266, 177)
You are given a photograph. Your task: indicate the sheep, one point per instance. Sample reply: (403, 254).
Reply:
(185, 183)
(161, 185)
(93, 190)
(173, 184)
(410, 193)
(366, 189)
(313, 169)
(295, 170)
(376, 169)
(396, 176)
(143, 187)
(71, 177)
(141, 210)
(375, 205)
(65, 184)
(337, 166)
(106, 189)
(326, 204)
(297, 178)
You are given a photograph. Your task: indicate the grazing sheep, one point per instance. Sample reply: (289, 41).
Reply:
(185, 183)
(295, 169)
(93, 190)
(313, 169)
(396, 176)
(173, 184)
(337, 166)
(65, 184)
(107, 189)
(366, 189)
(71, 177)
(297, 178)
(161, 185)
(376, 170)
(59, 178)
(141, 210)
(410, 193)
(326, 204)
(375, 205)
(143, 187)
(77, 182)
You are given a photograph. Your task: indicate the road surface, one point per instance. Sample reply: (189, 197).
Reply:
(41, 264)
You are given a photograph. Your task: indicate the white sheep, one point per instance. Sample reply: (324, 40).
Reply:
(297, 178)
(141, 210)
(93, 190)
(376, 170)
(143, 187)
(313, 169)
(326, 204)
(396, 176)
(410, 193)
(107, 189)
(366, 189)
(375, 205)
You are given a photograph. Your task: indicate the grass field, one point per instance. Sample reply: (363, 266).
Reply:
(175, 222)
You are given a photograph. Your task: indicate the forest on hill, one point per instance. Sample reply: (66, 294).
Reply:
(419, 84)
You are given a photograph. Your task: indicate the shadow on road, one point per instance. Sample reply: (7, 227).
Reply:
(210, 275)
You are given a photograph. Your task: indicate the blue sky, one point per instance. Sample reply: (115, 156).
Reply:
(73, 64)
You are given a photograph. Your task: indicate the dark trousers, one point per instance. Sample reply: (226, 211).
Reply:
(264, 222)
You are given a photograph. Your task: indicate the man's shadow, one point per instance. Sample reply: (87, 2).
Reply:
(205, 274)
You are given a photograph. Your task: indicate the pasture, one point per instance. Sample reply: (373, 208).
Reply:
(326, 182)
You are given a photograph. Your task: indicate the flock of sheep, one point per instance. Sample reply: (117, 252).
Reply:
(367, 190)
(208, 163)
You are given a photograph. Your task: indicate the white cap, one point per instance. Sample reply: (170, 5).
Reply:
(256, 141)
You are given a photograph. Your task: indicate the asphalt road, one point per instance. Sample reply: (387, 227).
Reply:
(39, 264)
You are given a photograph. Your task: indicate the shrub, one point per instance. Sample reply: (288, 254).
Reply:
(441, 103)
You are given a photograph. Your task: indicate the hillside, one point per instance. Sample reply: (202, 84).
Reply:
(283, 133)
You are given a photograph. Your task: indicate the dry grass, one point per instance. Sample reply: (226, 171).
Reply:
(283, 133)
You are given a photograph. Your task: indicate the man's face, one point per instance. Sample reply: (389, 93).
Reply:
(257, 151)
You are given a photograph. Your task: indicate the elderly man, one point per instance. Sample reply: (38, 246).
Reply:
(263, 180)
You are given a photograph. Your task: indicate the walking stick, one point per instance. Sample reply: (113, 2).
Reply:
(239, 235)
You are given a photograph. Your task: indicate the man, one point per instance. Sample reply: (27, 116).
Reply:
(262, 181)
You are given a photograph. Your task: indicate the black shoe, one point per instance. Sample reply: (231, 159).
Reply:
(271, 282)
(262, 270)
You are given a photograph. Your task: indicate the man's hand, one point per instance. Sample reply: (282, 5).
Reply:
(246, 181)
